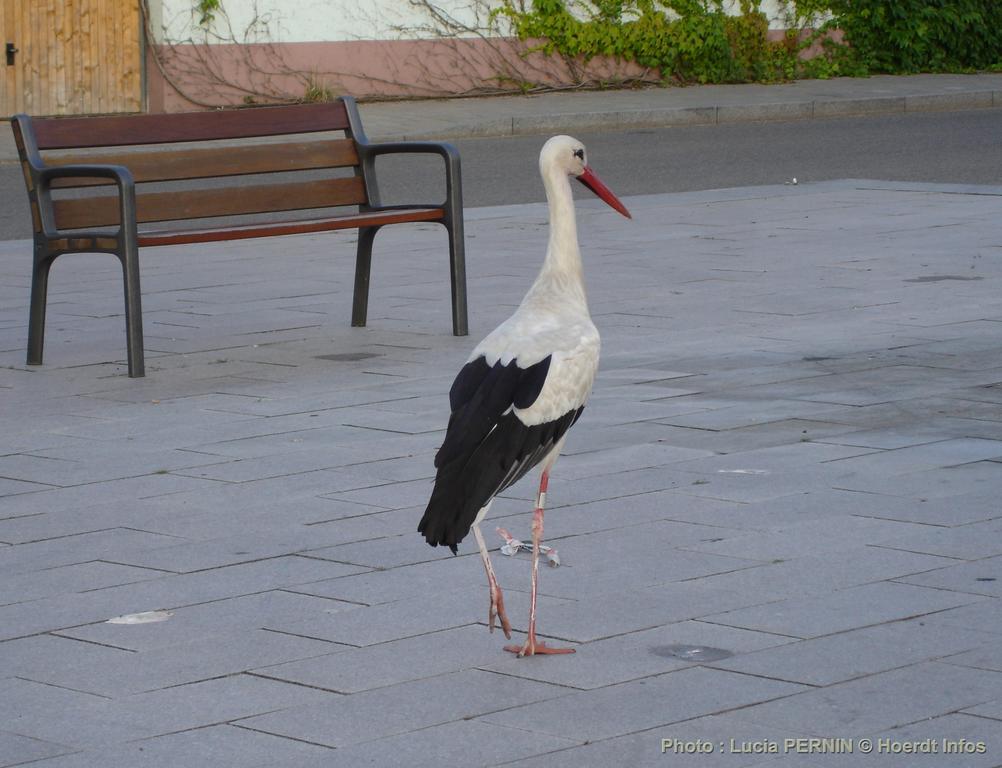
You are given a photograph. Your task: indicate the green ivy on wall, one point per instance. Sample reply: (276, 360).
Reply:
(687, 40)
(908, 36)
(206, 10)
(697, 41)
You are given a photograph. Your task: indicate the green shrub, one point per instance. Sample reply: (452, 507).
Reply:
(906, 36)
(687, 40)
(696, 41)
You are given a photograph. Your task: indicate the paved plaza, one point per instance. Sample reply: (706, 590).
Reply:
(778, 519)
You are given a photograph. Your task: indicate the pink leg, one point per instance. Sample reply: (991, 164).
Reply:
(532, 645)
(497, 599)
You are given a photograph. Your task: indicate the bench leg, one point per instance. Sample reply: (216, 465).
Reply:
(129, 256)
(457, 273)
(36, 312)
(363, 264)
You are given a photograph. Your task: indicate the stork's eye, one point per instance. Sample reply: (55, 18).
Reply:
(579, 153)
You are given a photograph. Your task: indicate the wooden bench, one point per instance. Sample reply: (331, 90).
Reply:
(88, 219)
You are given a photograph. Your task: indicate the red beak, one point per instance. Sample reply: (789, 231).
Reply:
(594, 183)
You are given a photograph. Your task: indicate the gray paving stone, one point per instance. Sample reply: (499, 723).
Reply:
(834, 359)
(233, 549)
(91, 494)
(635, 507)
(752, 484)
(818, 538)
(403, 582)
(371, 715)
(212, 702)
(973, 742)
(75, 465)
(987, 657)
(629, 562)
(725, 741)
(968, 542)
(395, 620)
(629, 707)
(916, 458)
(608, 462)
(9, 487)
(848, 655)
(37, 655)
(68, 610)
(573, 492)
(982, 616)
(463, 742)
(768, 435)
(264, 610)
(950, 511)
(80, 577)
(18, 750)
(67, 718)
(991, 709)
(846, 609)
(977, 479)
(81, 548)
(201, 659)
(635, 655)
(879, 702)
(260, 509)
(981, 577)
(786, 510)
(420, 615)
(59, 612)
(803, 576)
(392, 663)
(887, 438)
(611, 613)
(388, 495)
(385, 552)
(738, 414)
(221, 745)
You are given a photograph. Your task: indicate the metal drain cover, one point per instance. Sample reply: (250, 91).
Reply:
(692, 652)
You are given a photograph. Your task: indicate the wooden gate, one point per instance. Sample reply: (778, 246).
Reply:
(65, 57)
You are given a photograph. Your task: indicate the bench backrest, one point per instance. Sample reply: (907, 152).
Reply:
(190, 162)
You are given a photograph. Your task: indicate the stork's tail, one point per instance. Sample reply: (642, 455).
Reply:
(450, 514)
(436, 531)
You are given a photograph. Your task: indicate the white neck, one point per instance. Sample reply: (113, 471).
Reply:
(562, 271)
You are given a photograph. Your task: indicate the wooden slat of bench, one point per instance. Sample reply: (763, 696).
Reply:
(102, 210)
(123, 130)
(199, 163)
(377, 218)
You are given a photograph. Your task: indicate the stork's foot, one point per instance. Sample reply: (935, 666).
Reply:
(496, 612)
(535, 647)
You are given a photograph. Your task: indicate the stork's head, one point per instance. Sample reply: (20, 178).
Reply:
(567, 155)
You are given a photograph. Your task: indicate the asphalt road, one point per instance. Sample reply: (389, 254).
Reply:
(961, 147)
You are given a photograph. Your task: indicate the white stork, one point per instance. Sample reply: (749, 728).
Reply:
(522, 388)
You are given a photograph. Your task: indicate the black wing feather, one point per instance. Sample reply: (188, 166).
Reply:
(531, 383)
(486, 447)
(479, 397)
(468, 381)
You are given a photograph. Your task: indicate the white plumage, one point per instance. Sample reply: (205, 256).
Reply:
(522, 388)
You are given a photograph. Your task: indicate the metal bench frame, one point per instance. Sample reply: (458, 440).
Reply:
(34, 136)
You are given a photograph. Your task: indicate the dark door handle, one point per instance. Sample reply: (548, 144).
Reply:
(11, 50)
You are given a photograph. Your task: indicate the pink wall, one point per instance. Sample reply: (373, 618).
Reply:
(365, 69)
(223, 75)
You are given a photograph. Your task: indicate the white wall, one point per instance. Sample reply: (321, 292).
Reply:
(295, 21)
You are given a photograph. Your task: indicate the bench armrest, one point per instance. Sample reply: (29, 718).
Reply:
(121, 175)
(388, 147)
(453, 176)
